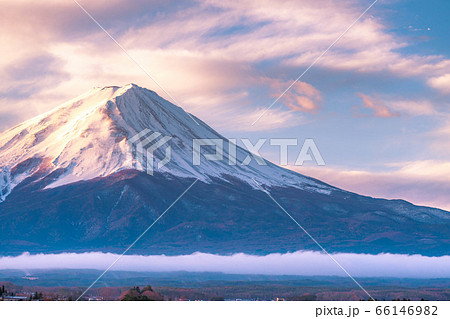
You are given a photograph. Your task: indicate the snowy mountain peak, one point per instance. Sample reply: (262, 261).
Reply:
(87, 137)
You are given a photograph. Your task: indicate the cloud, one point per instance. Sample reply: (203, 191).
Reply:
(420, 182)
(441, 137)
(441, 83)
(202, 52)
(304, 263)
(29, 76)
(273, 118)
(378, 107)
(7, 118)
(394, 106)
(300, 97)
(412, 107)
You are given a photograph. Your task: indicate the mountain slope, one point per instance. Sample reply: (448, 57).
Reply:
(69, 182)
(87, 138)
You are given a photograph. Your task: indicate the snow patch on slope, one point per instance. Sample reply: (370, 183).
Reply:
(5, 184)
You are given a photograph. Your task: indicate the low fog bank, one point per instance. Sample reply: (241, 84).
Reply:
(303, 263)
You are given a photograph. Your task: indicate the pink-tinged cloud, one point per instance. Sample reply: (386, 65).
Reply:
(377, 106)
(394, 106)
(300, 97)
(422, 182)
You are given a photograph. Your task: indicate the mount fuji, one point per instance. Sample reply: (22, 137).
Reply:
(69, 183)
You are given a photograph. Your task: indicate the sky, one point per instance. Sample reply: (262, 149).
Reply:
(376, 104)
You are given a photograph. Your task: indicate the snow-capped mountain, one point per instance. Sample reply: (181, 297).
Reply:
(69, 181)
(87, 138)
